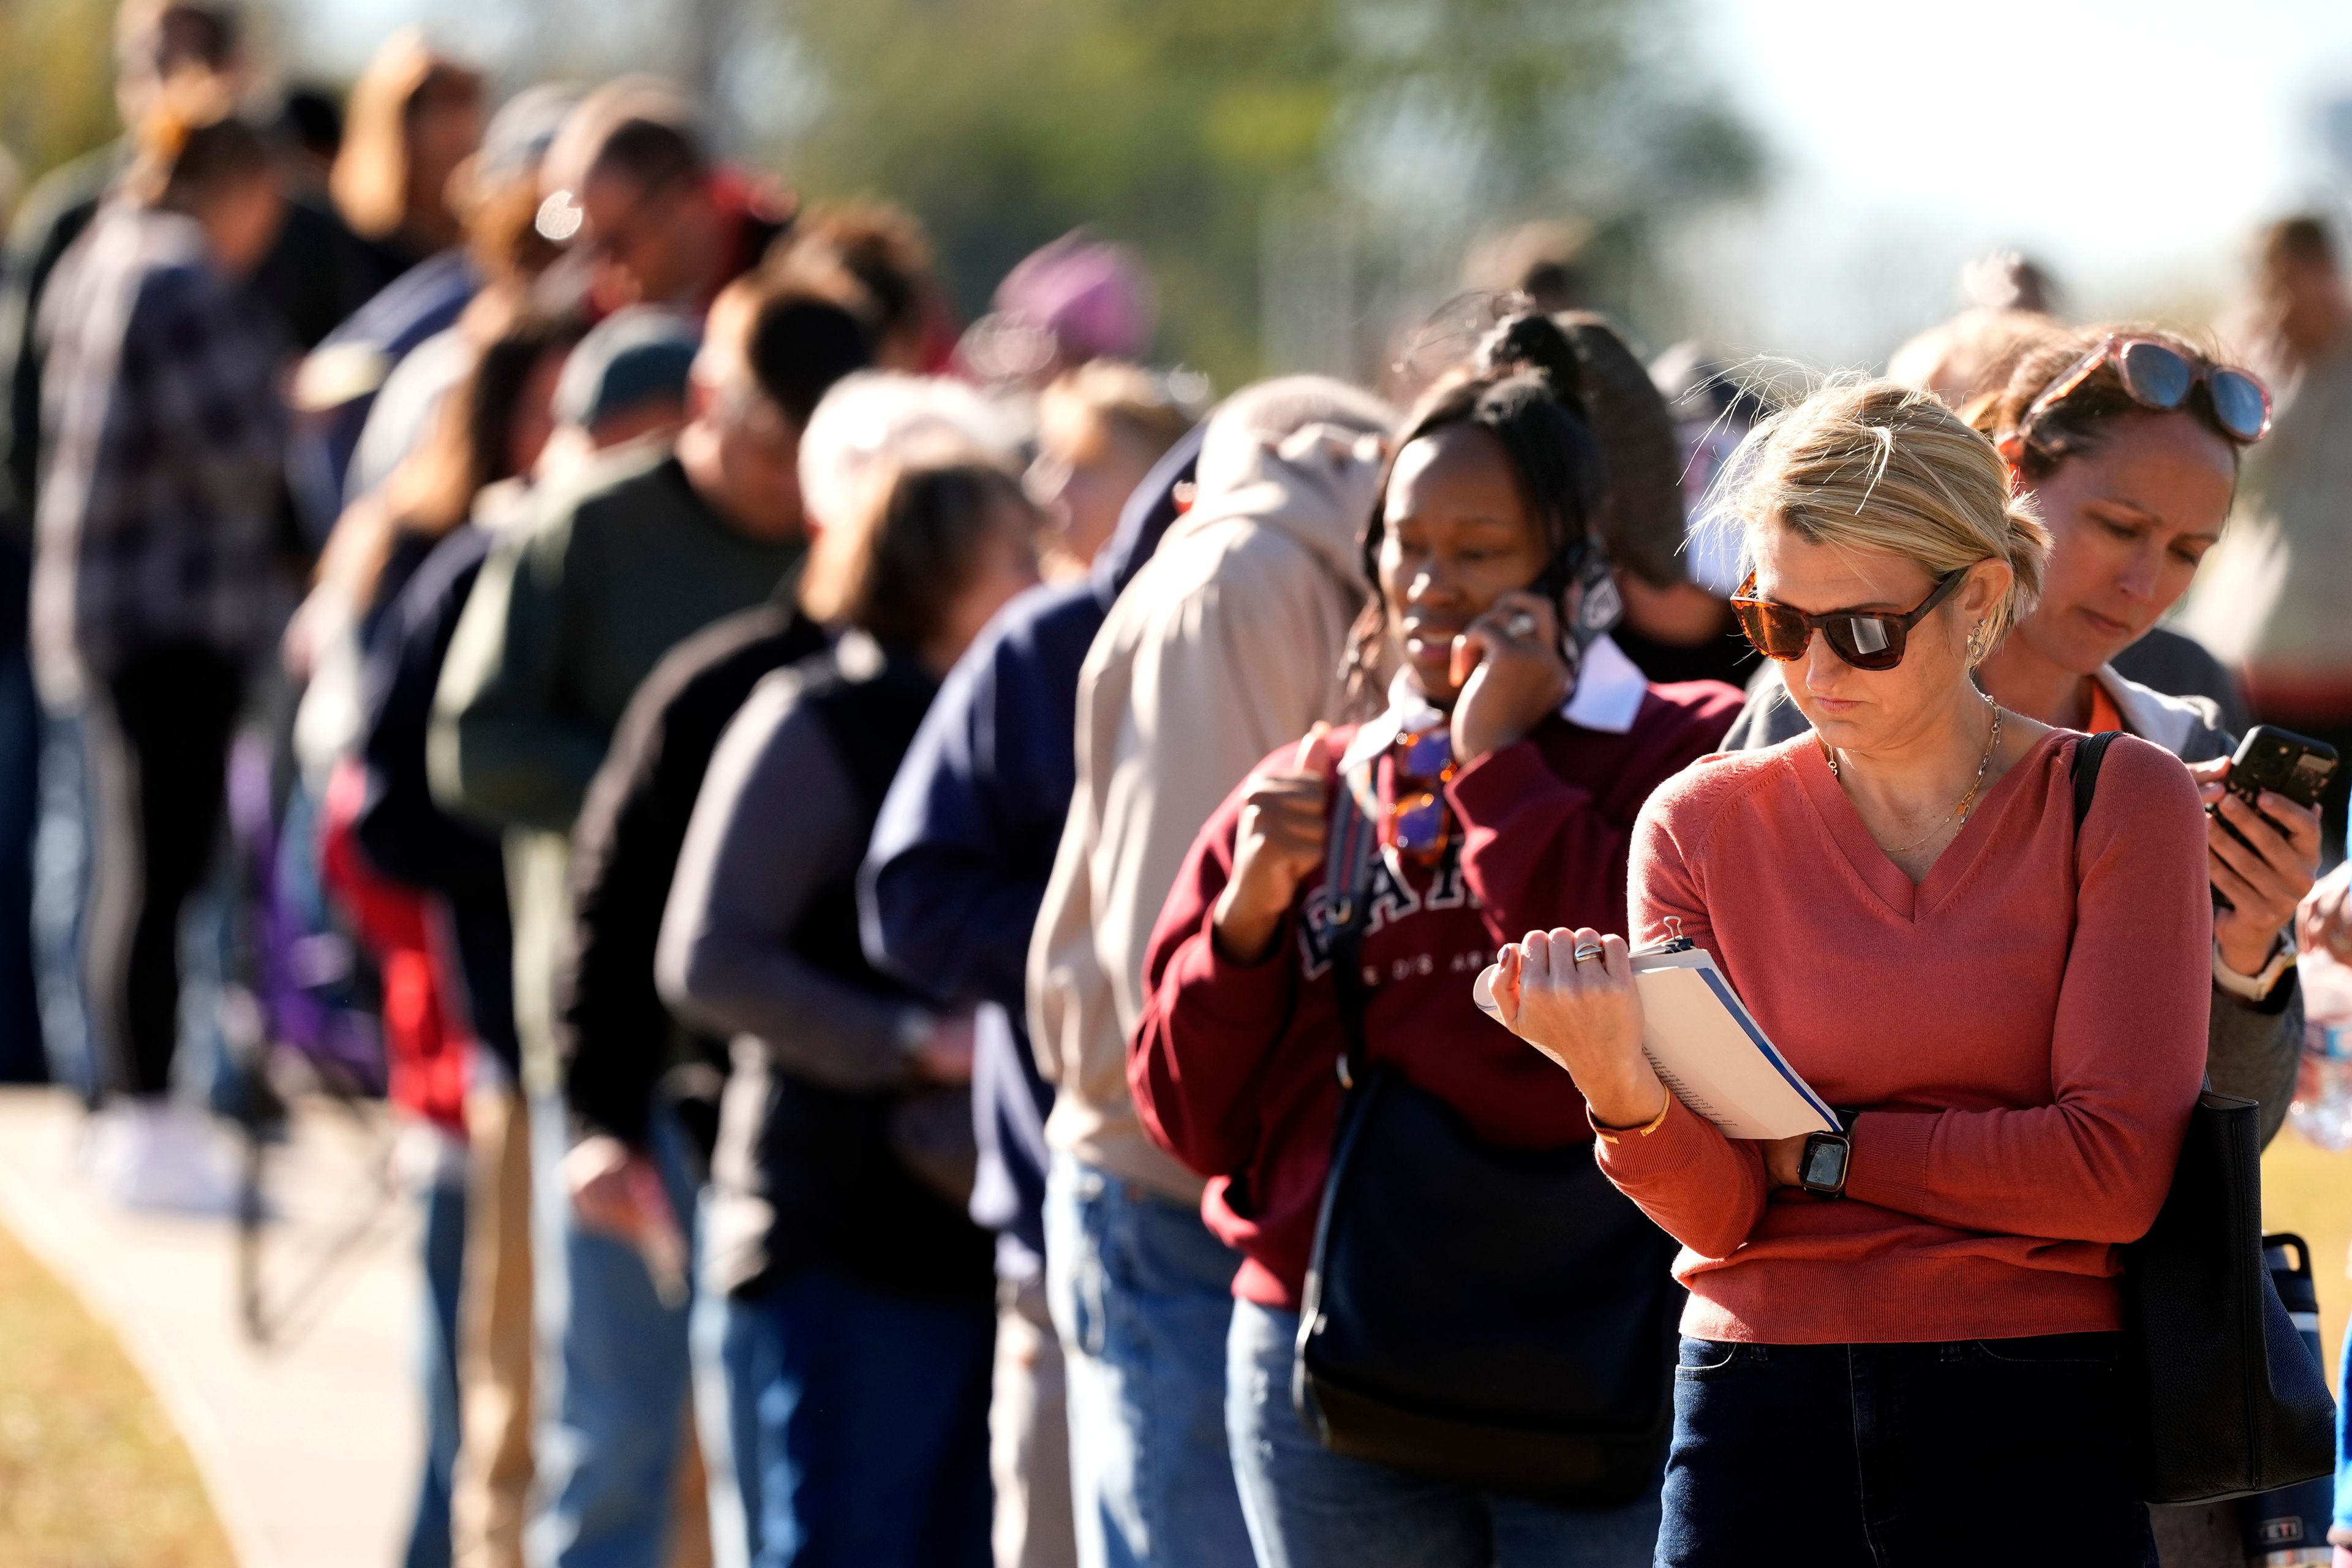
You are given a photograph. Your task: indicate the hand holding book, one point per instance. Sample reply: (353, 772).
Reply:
(1670, 1007)
(1571, 995)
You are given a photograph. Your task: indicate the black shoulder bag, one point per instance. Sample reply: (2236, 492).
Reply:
(2232, 1402)
(1500, 1318)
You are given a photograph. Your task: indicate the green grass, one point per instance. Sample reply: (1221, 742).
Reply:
(92, 1473)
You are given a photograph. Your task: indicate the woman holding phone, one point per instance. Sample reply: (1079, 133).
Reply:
(1909, 1356)
(2128, 442)
(1506, 770)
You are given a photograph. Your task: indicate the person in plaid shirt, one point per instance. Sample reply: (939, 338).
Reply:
(160, 480)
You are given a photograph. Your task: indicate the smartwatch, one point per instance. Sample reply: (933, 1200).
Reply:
(1822, 1167)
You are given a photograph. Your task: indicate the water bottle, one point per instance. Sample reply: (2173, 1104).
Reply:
(2288, 1528)
(2321, 1110)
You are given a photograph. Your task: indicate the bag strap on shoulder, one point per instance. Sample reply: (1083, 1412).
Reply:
(1347, 883)
(2090, 752)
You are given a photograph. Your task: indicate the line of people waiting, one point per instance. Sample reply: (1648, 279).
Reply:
(883, 874)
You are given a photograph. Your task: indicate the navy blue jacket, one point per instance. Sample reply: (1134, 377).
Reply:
(965, 842)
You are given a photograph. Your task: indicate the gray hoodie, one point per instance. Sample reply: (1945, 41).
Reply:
(1226, 646)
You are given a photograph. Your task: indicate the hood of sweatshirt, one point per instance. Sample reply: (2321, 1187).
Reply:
(1317, 485)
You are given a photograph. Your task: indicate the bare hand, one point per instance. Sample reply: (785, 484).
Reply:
(2324, 920)
(946, 1057)
(1585, 1017)
(1278, 845)
(598, 1173)
(2264, 883)
(1508, 669)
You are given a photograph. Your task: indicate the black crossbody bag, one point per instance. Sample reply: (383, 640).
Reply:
(2230, 1401)
(1499, 1318)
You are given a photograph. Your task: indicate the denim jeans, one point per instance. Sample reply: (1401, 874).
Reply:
(613, 1377)
(444, 1204)
(871, 1417)
(21, 1056)
(1309, 1508)
(1901, 1456)
(61, 852)
(1142, 1295)
(729, 1435)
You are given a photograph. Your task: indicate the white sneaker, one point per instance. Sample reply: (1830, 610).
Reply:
(157, 1155)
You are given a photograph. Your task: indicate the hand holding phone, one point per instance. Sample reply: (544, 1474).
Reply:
(2263, 847)
(1511, 673)
(2282, 763)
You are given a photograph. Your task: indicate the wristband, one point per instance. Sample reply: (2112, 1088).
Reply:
(1616, 1134)
(2253, 987)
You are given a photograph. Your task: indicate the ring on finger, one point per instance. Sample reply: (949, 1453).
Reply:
(1522, 624)
(1586, 950)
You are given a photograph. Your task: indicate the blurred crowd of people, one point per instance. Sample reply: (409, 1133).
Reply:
(852, 842)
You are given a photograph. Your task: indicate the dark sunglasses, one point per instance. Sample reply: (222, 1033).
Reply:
(1419, 826)
(2161, 377)
(1866, 639)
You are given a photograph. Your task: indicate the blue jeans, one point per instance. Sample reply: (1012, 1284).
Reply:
(1309, 1508)
(1142, 1295)
(1902, 1456)
(444, 1202)
(612, 1369)
(21, 1056)
(61, 855)
(870, 1418)
(729, 1435)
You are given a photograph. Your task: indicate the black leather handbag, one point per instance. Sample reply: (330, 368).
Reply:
(1499, 1318)
(2232, 1402)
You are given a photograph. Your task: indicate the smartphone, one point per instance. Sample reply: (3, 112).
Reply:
(2282, 763)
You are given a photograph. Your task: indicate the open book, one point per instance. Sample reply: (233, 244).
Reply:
(1707, 1051)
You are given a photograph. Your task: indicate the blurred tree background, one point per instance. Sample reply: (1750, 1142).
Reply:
(1300, 176)
(57, 79)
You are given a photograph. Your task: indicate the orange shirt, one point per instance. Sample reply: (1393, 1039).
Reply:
(2024, 1031)
(2105, 714)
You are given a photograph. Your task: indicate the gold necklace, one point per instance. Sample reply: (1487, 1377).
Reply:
(1968, 802)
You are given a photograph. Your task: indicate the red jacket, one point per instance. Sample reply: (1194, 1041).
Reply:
(1232, 1065)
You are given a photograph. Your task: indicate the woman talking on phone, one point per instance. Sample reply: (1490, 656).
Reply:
(1501, 781)
(1909, 1356)
(2128, 442)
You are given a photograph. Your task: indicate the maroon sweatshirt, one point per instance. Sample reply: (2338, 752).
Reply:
(1232, 1065)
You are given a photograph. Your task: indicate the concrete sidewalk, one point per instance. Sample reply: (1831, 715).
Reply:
(310, 1445)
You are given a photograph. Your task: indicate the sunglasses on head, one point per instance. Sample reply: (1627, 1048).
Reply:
(2160, 377)
(1866, 639)
(1419, 826)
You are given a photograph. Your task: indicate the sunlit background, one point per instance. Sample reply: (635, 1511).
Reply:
(1797, 177)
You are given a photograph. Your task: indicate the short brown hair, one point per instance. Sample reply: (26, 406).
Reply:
(192, 146)
(1129, 400)
(370, 180)
(881, 245)
(892, 568)
(2302, 240)
(2079, 423)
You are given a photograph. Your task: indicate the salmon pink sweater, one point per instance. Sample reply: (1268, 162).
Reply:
(2023, 1032)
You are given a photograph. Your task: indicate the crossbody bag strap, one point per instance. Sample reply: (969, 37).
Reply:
(2089, 753)
(1348, 849)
